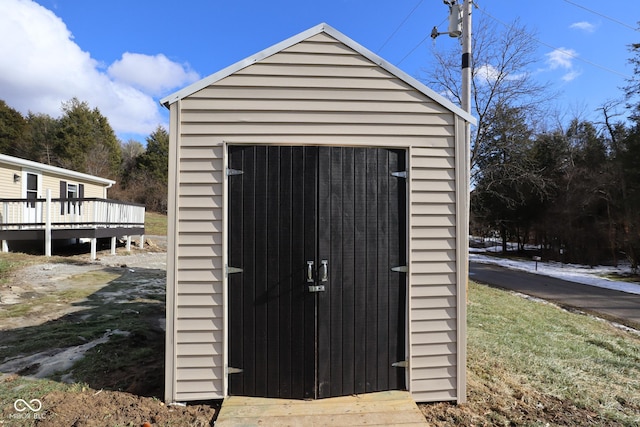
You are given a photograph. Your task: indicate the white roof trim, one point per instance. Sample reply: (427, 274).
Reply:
(15, 161)
(207, 81)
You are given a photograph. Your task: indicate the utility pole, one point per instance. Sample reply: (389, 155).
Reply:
(460, 27)
(466, 57)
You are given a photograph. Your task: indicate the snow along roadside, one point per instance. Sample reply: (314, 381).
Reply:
(570, 272)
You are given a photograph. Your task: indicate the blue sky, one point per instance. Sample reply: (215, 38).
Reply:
(122, 56)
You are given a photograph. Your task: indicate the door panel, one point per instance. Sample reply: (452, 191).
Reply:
(292, 205)
(271, 316)
(361, 314)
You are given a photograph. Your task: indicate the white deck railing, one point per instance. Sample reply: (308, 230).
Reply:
(19, 214)
(79, 213)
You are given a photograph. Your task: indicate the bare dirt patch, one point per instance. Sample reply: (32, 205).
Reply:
(502, 402)
(89, 408)
(86, 339)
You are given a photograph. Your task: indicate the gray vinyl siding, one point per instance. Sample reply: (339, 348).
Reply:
(318, 92)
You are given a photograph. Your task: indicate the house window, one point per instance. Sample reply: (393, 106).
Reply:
(69, 195)
(72, 193)
(32, 189)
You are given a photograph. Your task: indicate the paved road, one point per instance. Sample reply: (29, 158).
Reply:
(619, 306)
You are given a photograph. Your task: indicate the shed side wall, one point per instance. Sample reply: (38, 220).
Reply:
(316, 92)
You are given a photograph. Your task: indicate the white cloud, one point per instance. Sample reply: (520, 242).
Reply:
(152, 74)
(41, 67)
(487, 73)
(571, 75)
(561, 58)
(584, 26)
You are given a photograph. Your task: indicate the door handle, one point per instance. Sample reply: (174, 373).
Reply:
(323, 276)
(325, 270)
(310, 271)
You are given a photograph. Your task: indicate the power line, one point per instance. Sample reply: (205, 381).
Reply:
(564, 51)
(603, 15)
(413, 50)
(418, 45)
(567, 53)
(400, 26)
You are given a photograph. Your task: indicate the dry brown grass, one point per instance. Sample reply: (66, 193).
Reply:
(531, 363)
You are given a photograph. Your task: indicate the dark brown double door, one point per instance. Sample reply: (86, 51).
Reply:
(316, 310)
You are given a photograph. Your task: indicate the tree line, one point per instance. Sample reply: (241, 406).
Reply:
(570, 187)
(575, 193)
(82, 139)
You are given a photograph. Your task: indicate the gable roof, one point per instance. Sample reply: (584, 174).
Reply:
(16, 161)
(321, 28)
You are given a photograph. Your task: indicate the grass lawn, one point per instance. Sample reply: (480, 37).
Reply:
(155, 224)
(532, 363)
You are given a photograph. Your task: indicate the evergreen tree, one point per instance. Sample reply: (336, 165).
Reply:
(632, 90)
(13, 131)
(42, 135)
(155, 160)
(86, 142)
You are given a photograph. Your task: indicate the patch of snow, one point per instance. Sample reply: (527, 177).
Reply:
(57, 360)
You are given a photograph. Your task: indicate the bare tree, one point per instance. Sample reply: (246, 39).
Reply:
(501, 64)
(613, 127)
(98, 161)
(131, 150)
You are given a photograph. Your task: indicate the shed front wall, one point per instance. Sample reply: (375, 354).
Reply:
(317, 92)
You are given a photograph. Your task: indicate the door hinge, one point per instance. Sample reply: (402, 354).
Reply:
(400, 269)
(231, 370)
(401, 364)
(400, 174)
(232, 270)
(231, 172)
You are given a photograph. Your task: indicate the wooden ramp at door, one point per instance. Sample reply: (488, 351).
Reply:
(388, 408)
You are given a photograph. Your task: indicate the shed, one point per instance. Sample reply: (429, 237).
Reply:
(317, 238)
